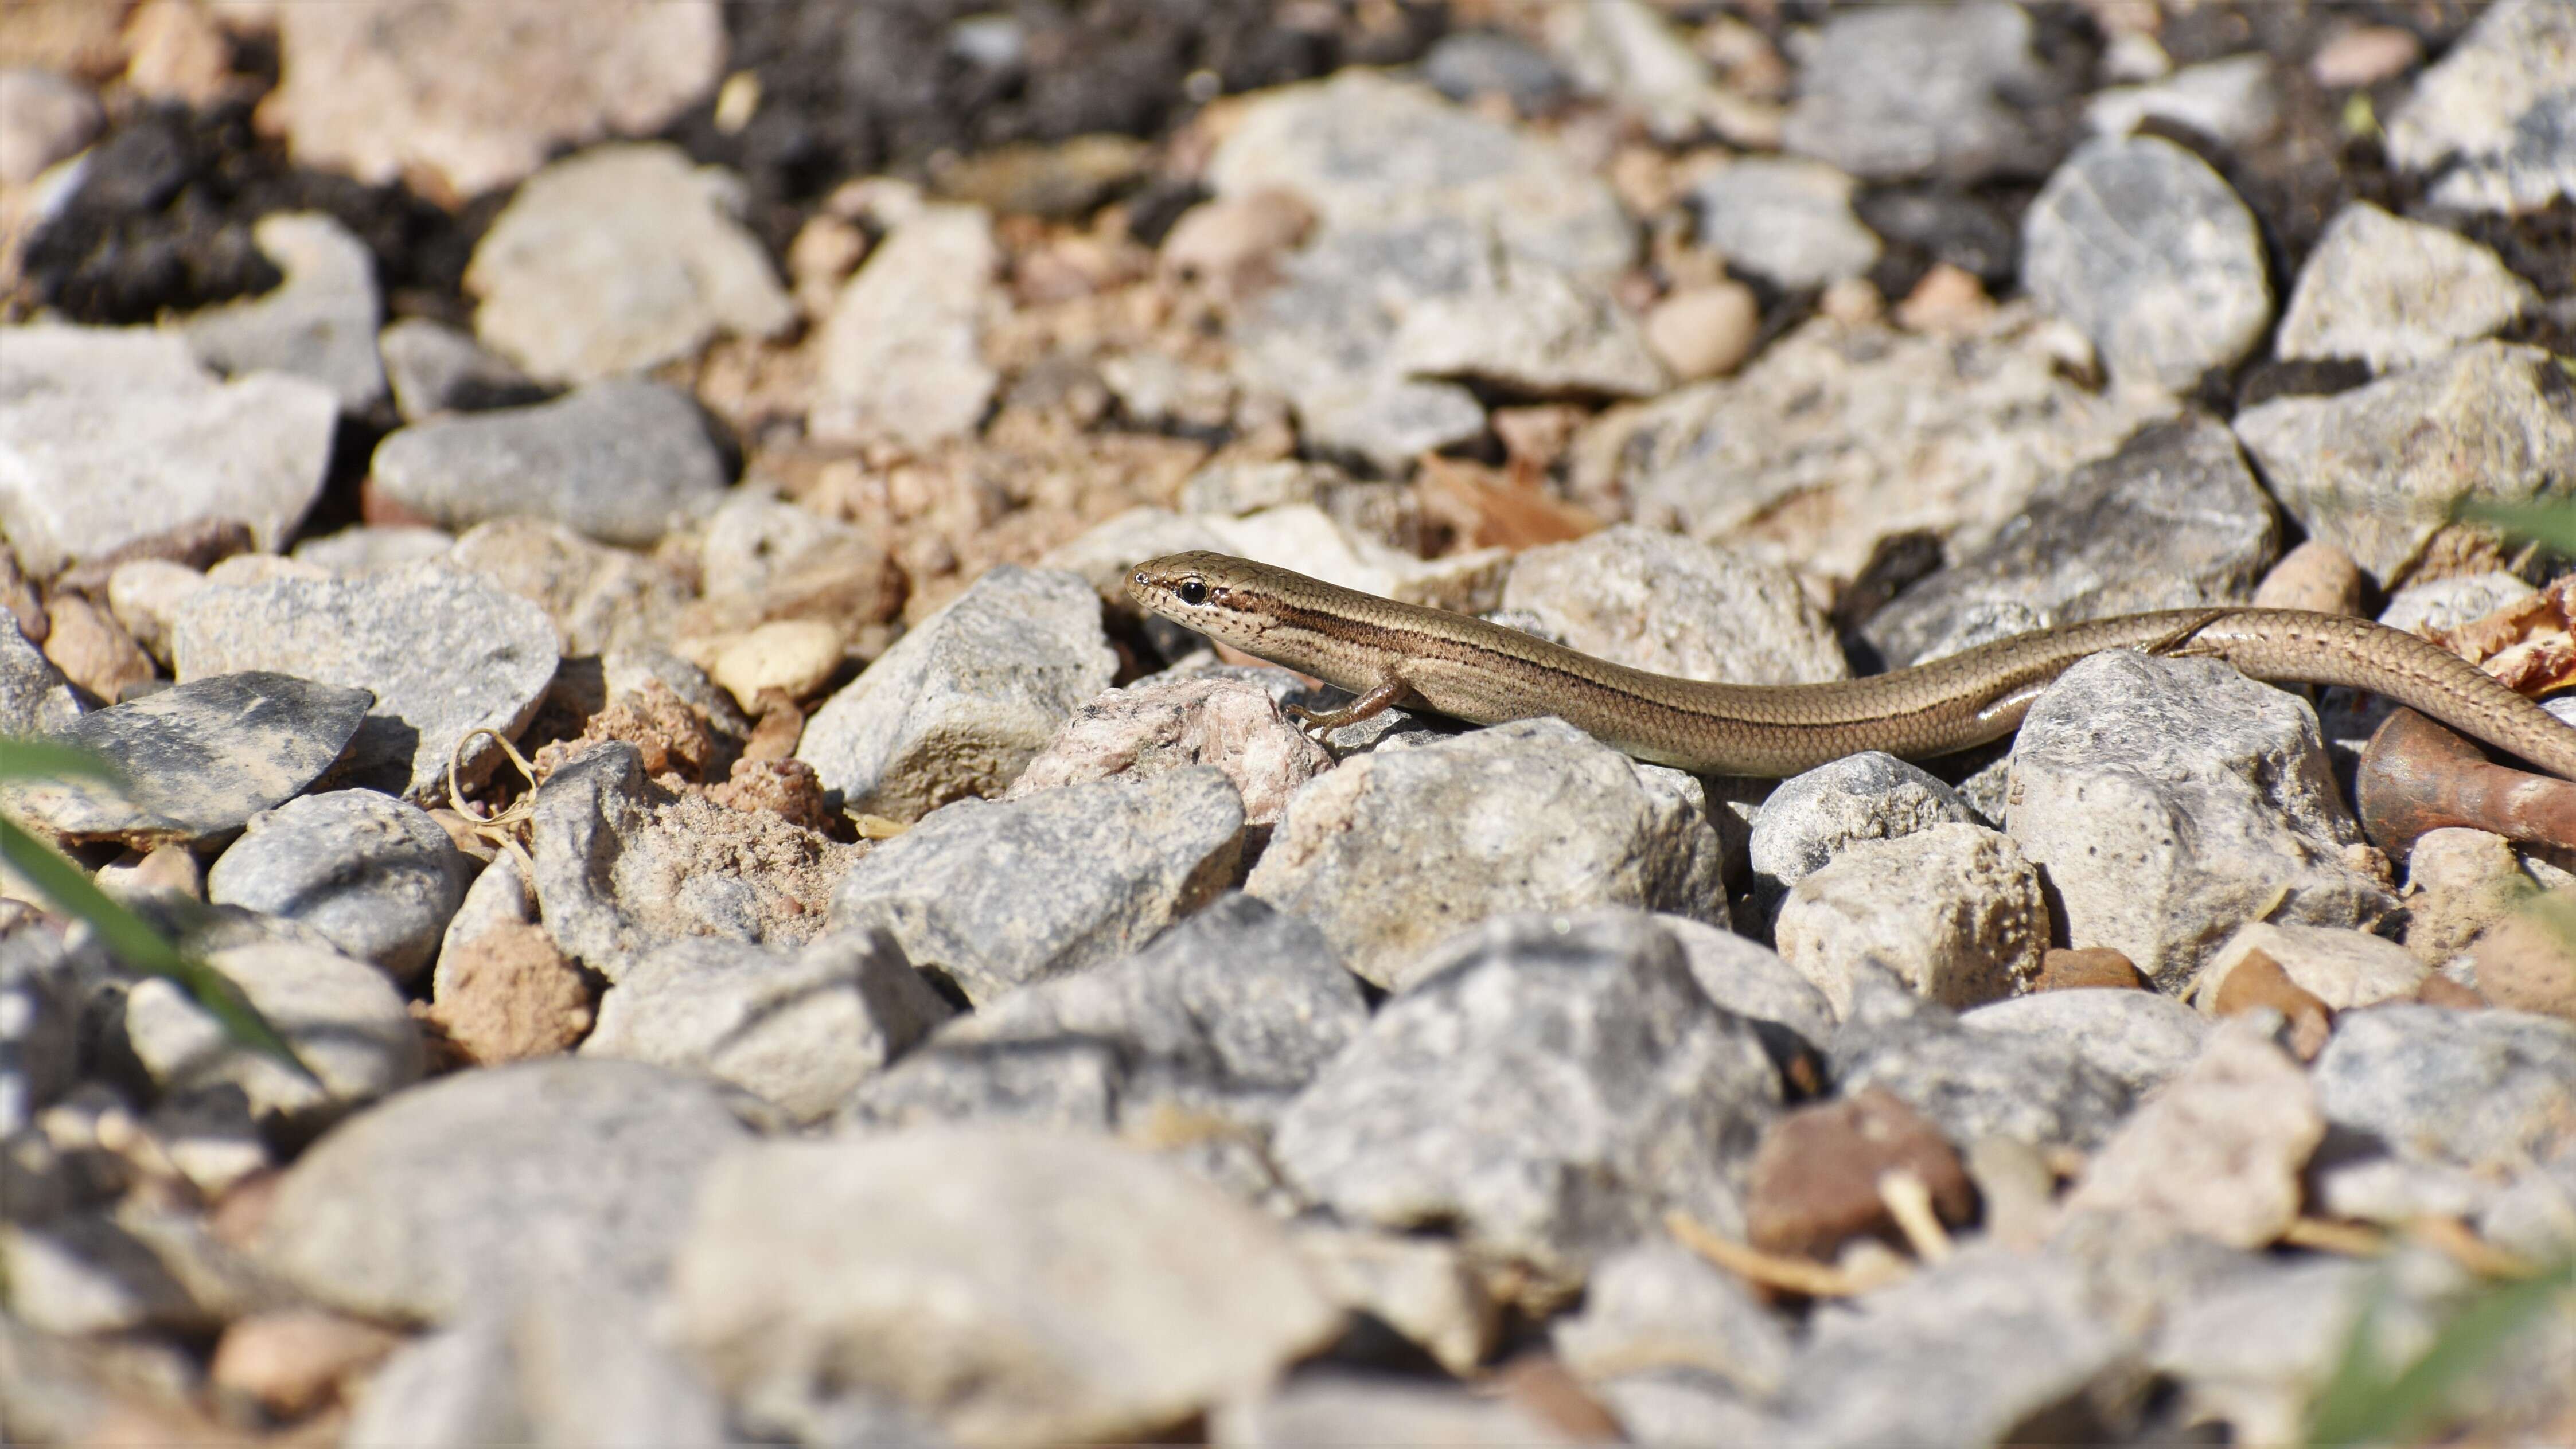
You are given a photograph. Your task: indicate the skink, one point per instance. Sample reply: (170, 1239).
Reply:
(1389, 653)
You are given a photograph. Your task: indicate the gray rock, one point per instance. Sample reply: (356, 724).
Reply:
(599, 597)
(1529, 816)
(2496, 117)
(499, 896)
(444, 653)
(2219, 1152)
(801, 1031)
(901, 352)
(2174, 518)
(966, 699)
(1344, 1407)
(1660, 1305)
(2448, 603)
(1086, 1292)
(1427, 1289)
(1652, 601)
(1531, 328)
(436, 369)
(344, 1019)
(2168, 800)
(619, 259)
(1964, 1352)
(2342, 968)
(1953, 909)
(86, 1275)
(365, 550)
(2142, 1039)
(1237, 1001)
(1164, 723)
(197, 759)
(622, 460)
(1634, 55)
(451, 1388)
(1551, 1092)
(2146, 249)
(997, 896)
(1470, 63)
(2353, 469)
(2037, 1090)
(375, 876)
(754, 539)
(107, 434)
(2395, 293)
(483, 1185)
(2234, 101)
(1751, 980)
(1784, 219)
(1840, 435)
(1684, 1406)
(2488, 1090)
(1919, 90)
(35, 699)
(624, 867)
(44, 117)
(1868, 796)
(39, 1015)
(319, 323)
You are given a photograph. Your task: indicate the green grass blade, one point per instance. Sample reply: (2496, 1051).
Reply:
(2552, 524)
(2360, 1406)
(44, 759)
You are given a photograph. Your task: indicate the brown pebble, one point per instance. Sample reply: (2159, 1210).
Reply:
(18, 597)
(2441, 990)
(2315, 576)
(2259, 981)
(2527, 961)
(1815, 1176)
(1948, 299)
(780, 727)
(2087, 968)
(1540, 1385)
(293, 1360)
(788, 788)
(2364, 56)
(509, 994)
(92, 649)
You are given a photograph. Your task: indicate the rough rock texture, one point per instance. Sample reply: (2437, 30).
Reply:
(1669, 605)
(966, 699)
(2341, 968)
(1953, 909)
(2219, 1151)
(319, 324)
(1751, 980)
(35, 699)
(2493, 117)
(1785, 220)
(1810, 817)
(2395, 293)
(900, 352)
(1533, 815)
(2168, 800)
(1159, 725)
(1659, 1304)
(344, 1019)
(374, 876)
(2235, 100)
(434, 369)
(994, 896)
(621, 460)
(444, 653)
(2038, 1090)
(1087, 1292)
(599, 597)
(490, 1182)
(1551, 1092)
(1903, 91)
(2354, 470)
(2485, 1089)
(2146, 249)
(2141, 1038)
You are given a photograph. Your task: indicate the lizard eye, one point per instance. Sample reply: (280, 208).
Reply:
(1193, 592)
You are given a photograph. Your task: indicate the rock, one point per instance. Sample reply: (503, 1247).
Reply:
(2523, 963)
(320, 323)
(755, 539)
(622, 460)
(2141, 1039)
(2448, 603)
(365, 550)
(801, 1031)
(434, 369)
(1952, 909)
(2174, 518)
(619, 259)
(1158, 391)
(1231, 245)
(1424, 1289)
(1468, 63)
(44, 117)
(375, 876)
(2219, 1151)
(1315, 543)
(2341, 968)
(1059, 180)
(2351, 469)
(1668, 605)
(344, 1019)
(793, 657)
(1901, 91)
(2494, 114)
(2143, 247)
(1629, 53)
(86, 1275)
(996, 896)
(1160, 725)
(109, 434)
(1530, 816)
(144, 595)
(2365, 55)
(1530, 328)
(505, 994)
(599, 597)
(900, 353)
(1817, 1175)
(2168, 800)
(2395, 293)
(624, 867)
(489, 1183)
(1810, 817)
(1660, 1305)
(92, 650)
(472, 105)
(1704, 331)
(444, 653)
(1342, 1407)
(1552, 1093)
(2315, 576)
(1961, 1353)
(290, 1361)
(35, 699)
(2234, 102)
(2458, 883)
(39, 1016)
(1785, 220)
(2484, 1089)
(1235, 1007)
(198, 759)
(1087, 1292)
(1871, 431)
(966, 699)
(1752, 981)
(2036, 1090)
